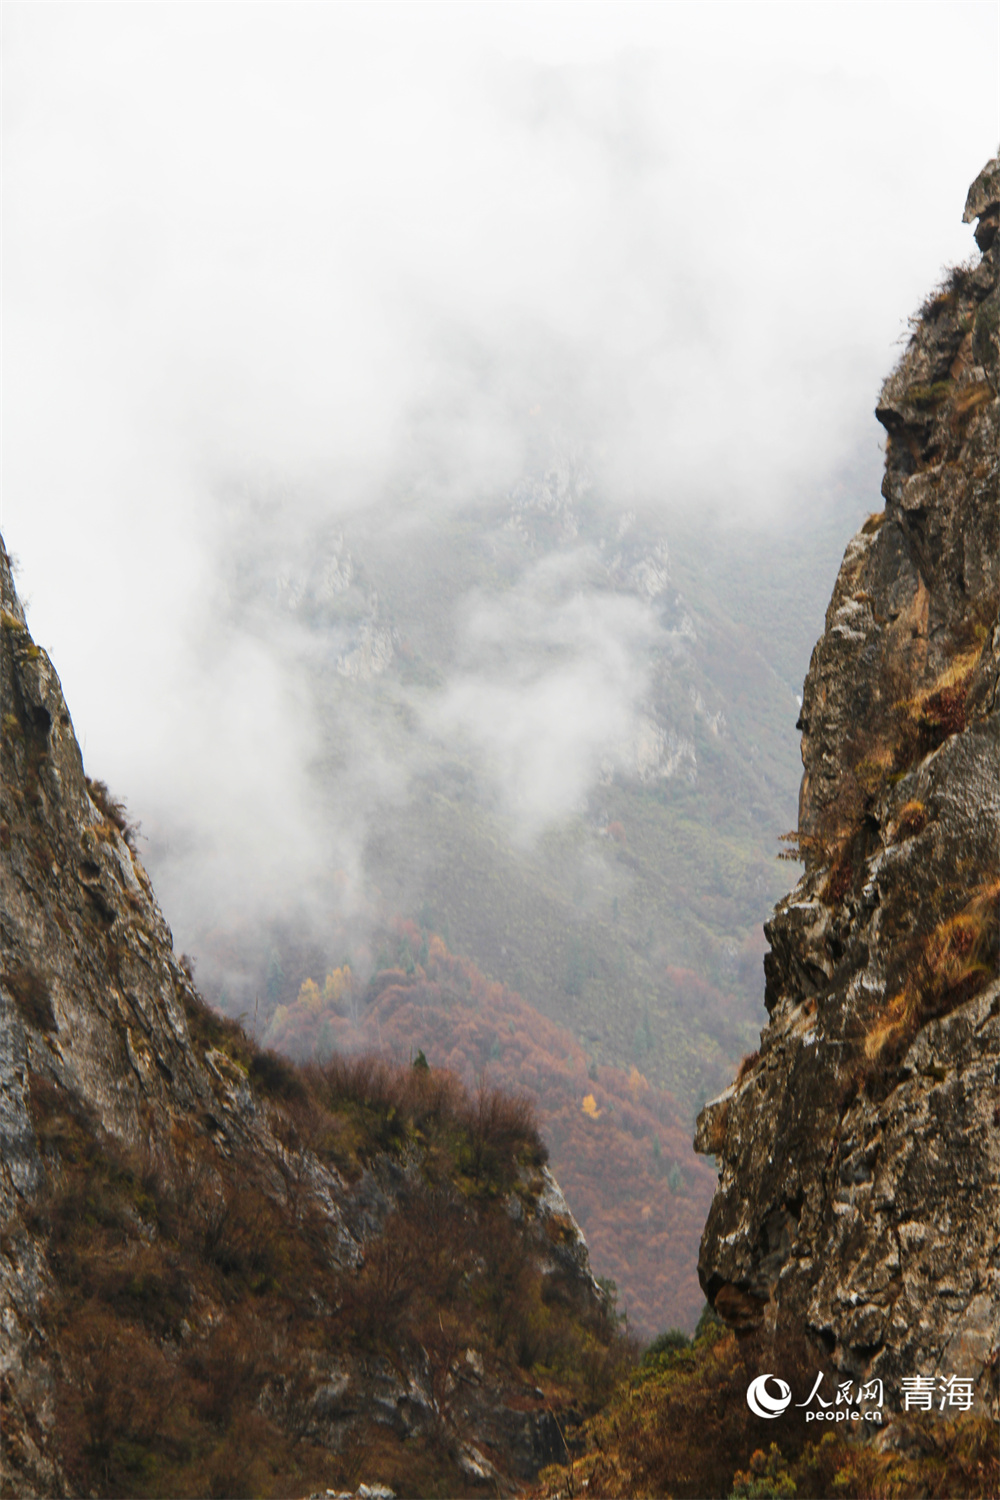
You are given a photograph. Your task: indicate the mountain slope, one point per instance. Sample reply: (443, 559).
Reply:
(577, 855)
(619, 1145)
(219, 1274)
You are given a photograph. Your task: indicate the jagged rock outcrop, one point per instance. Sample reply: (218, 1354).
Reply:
(118, 1086)
(859, 1193)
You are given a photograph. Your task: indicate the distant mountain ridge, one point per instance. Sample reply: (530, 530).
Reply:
(665, 860)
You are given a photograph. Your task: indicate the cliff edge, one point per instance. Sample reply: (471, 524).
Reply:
(859, 1151)
(222, 1274)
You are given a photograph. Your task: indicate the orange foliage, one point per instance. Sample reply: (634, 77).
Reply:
(618, 1146)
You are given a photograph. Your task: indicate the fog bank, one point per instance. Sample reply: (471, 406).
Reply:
(274, 274)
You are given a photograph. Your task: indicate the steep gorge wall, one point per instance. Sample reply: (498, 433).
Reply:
(859, 1152)
(120, 1091)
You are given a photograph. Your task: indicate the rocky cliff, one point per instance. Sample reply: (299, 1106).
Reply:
(859, 1151)
(220, 1274)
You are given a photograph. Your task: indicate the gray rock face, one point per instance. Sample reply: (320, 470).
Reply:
(859, 1195)
(94, 1004)
(89, 999)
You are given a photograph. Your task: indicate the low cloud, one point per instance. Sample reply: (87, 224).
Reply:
(383, 263)
(548, 686)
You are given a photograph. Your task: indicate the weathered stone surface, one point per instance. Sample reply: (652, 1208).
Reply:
(983, 203)
(859, 1196)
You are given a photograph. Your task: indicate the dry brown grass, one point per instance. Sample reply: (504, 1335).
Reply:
(114, 811)
(187, 1287)
(951, 965)
(971, 398)
(716, 1138)
(745, 1066)
(911, 819)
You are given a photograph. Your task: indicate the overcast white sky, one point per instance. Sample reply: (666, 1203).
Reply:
(342, 246)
